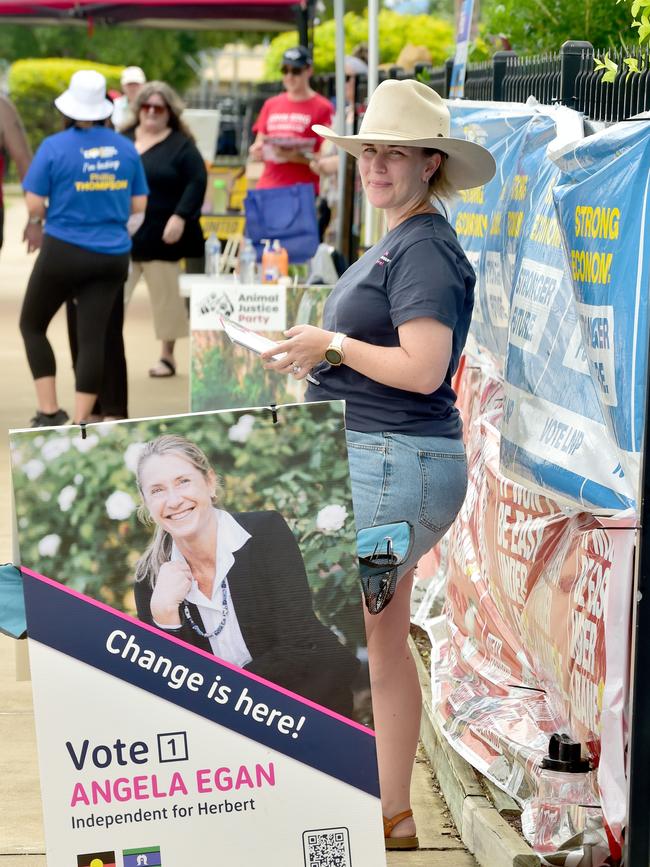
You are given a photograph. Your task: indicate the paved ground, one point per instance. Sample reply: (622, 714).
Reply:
(21, 832)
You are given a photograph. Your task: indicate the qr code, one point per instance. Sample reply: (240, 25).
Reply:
(329, 847)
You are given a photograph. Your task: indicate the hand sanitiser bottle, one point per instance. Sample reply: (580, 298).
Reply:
(270, 272)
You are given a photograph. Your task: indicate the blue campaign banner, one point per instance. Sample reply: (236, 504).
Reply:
(477, 214)
(602, 204)
(553, 432)
(457, 84)
(519, 168)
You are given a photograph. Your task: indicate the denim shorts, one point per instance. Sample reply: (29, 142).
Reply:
(419, 479)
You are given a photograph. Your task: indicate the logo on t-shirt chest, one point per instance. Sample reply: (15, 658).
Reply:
(296, 122)
(384, 259)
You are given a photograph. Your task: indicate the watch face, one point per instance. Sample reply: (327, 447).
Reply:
(333, 356)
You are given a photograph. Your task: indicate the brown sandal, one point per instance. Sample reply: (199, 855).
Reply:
(399, 842)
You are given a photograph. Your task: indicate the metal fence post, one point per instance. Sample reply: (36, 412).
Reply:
(499, 69)
(571, 54)
(449, 65)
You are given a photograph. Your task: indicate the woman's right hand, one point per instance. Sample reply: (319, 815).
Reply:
(172, 586)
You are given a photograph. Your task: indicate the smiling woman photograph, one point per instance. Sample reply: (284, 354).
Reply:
(394, 328)
(232, 584)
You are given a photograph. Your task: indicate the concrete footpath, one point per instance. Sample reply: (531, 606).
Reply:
(21, 827)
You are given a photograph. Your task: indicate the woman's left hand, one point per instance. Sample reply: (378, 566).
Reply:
(174, 229)
(304, 348)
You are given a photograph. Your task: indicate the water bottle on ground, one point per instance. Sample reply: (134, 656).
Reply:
(212, 254)
(247, 262)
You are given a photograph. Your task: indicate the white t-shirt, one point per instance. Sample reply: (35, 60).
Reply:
(229, 645)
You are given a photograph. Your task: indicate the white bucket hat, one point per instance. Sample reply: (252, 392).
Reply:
(411, 114)
(85, 98)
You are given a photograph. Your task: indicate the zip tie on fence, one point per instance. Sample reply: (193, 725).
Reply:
(82, 425)
(274, 412)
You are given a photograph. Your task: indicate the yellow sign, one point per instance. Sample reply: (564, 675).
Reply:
(223, 226)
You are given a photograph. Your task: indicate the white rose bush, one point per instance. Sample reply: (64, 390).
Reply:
(331, 518)
(49, 545)
(77, 504)
(120, 506)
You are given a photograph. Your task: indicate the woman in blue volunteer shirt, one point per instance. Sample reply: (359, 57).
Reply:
(394, 329)
(86, 185)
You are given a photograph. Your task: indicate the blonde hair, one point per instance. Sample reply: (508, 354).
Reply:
(439, 185)
(160, 549)
(174, 103)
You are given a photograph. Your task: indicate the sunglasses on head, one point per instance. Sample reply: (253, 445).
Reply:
(291, 70)
(381, 550)
(152, 106)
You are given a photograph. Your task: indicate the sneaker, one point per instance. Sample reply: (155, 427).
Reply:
(44, 419)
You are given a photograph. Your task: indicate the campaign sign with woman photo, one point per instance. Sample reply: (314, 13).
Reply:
(197, 646)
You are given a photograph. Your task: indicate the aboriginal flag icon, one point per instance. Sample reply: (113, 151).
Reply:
(96, 859)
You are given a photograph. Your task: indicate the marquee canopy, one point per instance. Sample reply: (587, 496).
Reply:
(225, 14)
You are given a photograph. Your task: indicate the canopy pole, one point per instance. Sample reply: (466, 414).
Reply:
(339, 118)
(373, 78)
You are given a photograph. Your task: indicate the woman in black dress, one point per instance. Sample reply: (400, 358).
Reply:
(177, 178)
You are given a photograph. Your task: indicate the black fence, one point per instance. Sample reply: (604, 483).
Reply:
(568, 77)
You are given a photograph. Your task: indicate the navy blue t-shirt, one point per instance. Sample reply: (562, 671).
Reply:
(89, 176)
(417, 270)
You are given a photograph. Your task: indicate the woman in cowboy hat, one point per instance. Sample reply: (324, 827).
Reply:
(393, 331)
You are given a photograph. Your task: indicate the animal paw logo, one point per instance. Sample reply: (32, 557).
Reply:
(149, 857)
(214, 303)
(384, 259)
(97, 859)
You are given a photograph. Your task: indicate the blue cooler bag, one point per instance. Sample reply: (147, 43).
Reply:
(285, 213)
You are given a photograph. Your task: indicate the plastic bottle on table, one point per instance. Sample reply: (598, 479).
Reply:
(247, 262)
(212, 254)
(282, 258)
(270, 271)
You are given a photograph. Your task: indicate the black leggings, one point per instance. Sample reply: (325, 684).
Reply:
(63, 272)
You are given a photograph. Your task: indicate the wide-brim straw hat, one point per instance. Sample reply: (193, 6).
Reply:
(411, 114)
(85, 98)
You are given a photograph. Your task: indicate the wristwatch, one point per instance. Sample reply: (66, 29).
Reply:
(334, 354)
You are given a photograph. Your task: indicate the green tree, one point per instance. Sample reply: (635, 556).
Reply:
(395, 31)
(163, 54)
(532, 26)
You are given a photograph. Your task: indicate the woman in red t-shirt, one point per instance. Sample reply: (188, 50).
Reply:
(285, 140)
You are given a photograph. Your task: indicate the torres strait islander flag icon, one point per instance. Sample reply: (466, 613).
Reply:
(96, 859)
(148, 857)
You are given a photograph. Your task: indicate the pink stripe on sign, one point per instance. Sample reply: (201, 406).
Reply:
(210, 656)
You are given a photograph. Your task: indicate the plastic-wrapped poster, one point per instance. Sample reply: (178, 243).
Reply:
(476, 214)
(196, 641)
(536, 619)
(554, 432)
(224, 374)
(602, 205)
